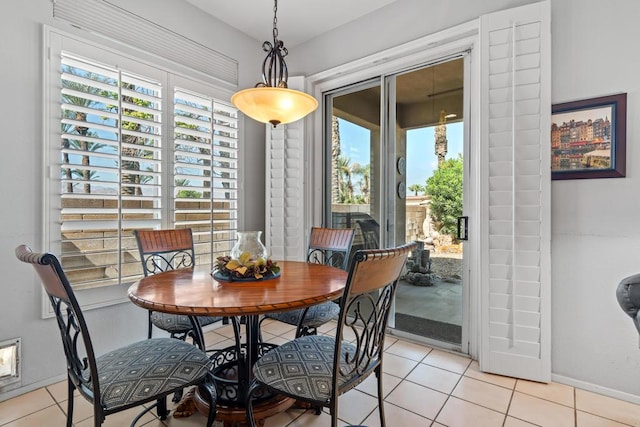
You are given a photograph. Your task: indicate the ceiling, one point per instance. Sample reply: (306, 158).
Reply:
(298, 20)
(421, 94)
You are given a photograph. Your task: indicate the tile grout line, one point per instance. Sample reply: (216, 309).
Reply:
(506, 413)
(575, 408)
(58, 404)
(449, 394)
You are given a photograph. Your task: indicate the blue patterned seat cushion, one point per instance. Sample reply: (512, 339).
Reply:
(177, 323)
(304, 367)
(317, 315)
(148, 368)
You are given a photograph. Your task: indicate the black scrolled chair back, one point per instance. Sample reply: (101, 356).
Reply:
(317, 369)
(370, 230)
(163, 250)
(372, 282)
(332, 258)
(367, 323)
(110, 382)
(73, 328)
(170, 249)
(330, 246)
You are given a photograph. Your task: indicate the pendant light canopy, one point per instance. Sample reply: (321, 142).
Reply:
(271, 101)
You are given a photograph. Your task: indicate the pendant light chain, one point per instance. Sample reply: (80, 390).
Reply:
(274, 69)
(275, 21)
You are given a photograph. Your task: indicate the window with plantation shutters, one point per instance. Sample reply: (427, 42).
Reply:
(206, 173)
(133, 146)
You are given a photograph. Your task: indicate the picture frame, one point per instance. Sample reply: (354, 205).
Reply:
(588, 138)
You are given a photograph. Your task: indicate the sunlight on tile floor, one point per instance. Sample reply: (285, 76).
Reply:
(422, 387)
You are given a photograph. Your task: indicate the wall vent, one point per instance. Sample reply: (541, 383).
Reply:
(9, 361)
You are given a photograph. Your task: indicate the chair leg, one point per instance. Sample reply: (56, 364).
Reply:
(237, 333)
(177, 396)
(196, 333)
(262, 319)
(378, 372)
(161, 409)
(251, 421)
(301, 329)
(70, 389)
(209, 388)
(150, 326)
(333, 410)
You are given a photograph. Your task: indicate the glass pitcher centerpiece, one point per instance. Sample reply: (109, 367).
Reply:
(249, 245)
(248, 260)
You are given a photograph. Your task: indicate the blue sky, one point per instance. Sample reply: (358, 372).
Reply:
(421, 158)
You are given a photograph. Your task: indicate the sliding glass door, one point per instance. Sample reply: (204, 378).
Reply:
(394, 173)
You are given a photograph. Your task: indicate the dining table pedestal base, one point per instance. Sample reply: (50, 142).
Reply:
(233, 416)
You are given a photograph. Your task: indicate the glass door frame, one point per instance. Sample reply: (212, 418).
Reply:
(387, 206)
(429, 49)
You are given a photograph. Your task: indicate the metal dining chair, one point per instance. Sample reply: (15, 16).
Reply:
(370, 230)
(328, 246)
(127, 377)
(317, 369)
(162, 250)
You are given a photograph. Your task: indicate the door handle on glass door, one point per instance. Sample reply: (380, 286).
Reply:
(463, 231)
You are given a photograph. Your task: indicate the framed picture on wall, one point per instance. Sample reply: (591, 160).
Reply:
(588, 138)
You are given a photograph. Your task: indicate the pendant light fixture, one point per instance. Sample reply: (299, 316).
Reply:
(271, 101)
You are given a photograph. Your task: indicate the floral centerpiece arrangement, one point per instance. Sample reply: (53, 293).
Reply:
(246, 268)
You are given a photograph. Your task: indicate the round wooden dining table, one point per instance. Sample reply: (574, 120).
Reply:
(195, 292)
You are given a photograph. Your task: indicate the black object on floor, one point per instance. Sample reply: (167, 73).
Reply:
(433, 329)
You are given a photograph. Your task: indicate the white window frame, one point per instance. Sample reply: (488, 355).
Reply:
(181, 77)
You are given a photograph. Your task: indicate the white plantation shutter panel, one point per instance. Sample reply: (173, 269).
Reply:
(285, 233)
(515, 256)
(109, 168)
(206, 172)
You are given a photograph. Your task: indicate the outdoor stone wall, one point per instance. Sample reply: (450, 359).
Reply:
(92, 255)
(419, 225)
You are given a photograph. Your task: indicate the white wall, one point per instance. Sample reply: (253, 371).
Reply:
(595, 231)
(384, 28)
(21, 176)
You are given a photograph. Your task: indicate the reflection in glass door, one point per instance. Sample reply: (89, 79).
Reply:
(394, 174)
(354, 182)
(428, 140)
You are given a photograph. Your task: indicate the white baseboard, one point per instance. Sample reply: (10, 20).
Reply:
(583, 385)
(31, 387)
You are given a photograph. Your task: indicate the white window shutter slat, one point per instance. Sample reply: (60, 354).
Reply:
(515, 260)
(285, 233)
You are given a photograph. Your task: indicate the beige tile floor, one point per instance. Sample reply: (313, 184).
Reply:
(423, 386)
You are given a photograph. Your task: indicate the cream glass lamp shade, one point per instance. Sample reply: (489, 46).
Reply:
(274, 105)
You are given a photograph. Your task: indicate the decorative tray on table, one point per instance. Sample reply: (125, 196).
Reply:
(244, 269)
(229, 278)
